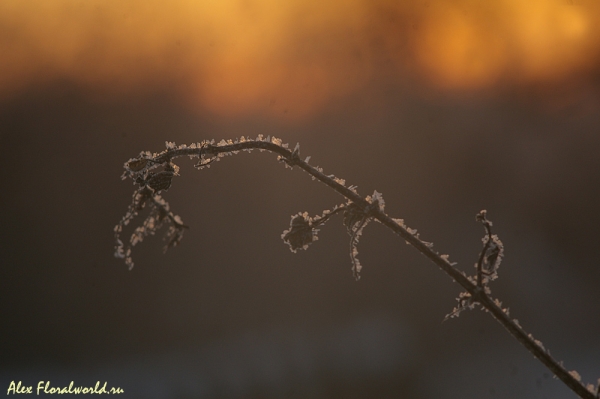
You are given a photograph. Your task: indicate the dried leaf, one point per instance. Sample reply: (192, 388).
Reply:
(136, 165)
(161, 180)
(300, 233)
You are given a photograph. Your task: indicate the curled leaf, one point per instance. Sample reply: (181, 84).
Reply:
(355, 220)
(161, 180)
(135, 165)
(301, 233)
(492, 258)
(492, 253)
(465, 302)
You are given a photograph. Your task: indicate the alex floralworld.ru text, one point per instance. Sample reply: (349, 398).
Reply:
(45, 387)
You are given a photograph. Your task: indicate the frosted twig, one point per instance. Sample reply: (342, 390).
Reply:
(145, 171)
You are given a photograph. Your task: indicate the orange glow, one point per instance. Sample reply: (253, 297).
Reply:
(466, 45)
(289, 58)
(457, 48)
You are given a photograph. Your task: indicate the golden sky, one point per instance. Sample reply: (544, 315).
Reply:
(236, 57)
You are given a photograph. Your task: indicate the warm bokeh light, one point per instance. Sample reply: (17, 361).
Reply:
(288, 58)
(467, 45)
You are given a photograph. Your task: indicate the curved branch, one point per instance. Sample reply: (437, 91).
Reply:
(139, 168)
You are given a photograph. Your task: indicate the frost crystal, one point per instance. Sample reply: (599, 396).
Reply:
(591, 389)
(465, 301)
(539, 343)
(575, 375)
(400, 222)
(377, 198)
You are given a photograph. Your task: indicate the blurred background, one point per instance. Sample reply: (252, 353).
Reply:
(445, 107)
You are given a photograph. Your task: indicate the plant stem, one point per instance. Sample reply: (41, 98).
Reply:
(476, 289)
